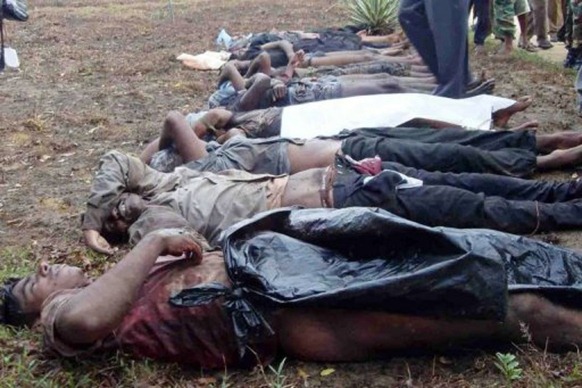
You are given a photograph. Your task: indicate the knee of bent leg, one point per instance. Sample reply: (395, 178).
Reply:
(172, 117)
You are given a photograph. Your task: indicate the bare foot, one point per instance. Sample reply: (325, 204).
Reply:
(480, 50)
(531, 125)
(502, 116)
(505, 49)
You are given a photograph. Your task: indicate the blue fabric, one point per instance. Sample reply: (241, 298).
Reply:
(438, 30)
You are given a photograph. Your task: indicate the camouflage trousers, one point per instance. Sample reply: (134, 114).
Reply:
(505, 12)
(576, 9)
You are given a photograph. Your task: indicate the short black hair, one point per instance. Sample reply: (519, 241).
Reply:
(11, 313)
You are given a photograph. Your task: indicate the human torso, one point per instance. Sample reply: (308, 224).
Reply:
(212, 202)
(153, 328)
(304, 189)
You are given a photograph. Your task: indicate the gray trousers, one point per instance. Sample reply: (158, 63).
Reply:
(578, 86)
(438, 31)
(538, 19)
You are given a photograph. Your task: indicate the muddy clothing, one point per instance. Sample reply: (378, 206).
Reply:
(448, 150)
(436, 205)
(505, 12)
(329, 40)
(208, 202)
(308, 90)
(482, 11)
(201, 336)
(257, 156)
(259, 123)
(224, 96)
(395, 69)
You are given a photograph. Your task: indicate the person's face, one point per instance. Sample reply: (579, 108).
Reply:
(33, 290)
(128, 209)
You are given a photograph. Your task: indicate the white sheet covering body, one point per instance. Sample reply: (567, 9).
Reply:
(326, 118)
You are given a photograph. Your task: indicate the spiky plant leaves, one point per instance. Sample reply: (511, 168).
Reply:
(378, 16)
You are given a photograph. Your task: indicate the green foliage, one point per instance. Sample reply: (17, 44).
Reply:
(509, 366)
(279, 378)
(379, 16)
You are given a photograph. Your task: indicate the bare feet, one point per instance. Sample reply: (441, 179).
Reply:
(557, 159)
(502, 116)
(506, 47)
(531, 125)
(480, 50)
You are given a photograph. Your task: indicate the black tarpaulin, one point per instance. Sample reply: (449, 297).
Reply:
(369, 259)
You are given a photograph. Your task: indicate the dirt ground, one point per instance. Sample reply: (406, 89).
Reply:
(100, 75)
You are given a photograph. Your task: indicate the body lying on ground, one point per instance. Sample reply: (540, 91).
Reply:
(328, 118)
(512, 153)
(128, 197)
(128, 308)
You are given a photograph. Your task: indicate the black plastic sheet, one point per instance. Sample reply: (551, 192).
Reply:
(369, 259)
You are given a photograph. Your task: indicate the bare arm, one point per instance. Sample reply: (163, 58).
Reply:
(257, 86)
(215, 120)
(99, 308)
(230, 73)
(284, 45)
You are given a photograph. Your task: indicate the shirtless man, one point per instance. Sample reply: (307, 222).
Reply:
(262, 91)
(129, 197)
(127, 308)
(262, 123)
(511, 153)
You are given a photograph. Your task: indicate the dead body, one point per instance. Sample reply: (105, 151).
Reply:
(209, 203)
(125, 306)
(513, 153)
(262, 123)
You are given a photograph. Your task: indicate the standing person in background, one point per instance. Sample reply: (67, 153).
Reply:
(505, 12)
(481, 10)
(555, 18)
(538, 23)
(438, 30)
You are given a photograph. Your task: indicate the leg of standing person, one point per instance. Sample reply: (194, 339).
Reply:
(483, 28)
(555, 18)
(447, 20)
(539, 20)
(578, 86)
(504, 29)
(414, 22)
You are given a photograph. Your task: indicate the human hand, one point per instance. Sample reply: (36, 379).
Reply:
(279, 91)
(95, 241)
(297, 59)
(178, 242)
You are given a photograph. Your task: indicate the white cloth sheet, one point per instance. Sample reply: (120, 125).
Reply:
(327, 118)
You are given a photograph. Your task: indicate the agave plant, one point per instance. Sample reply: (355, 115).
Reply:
(377, 16)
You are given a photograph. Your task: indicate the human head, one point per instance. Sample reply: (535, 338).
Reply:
(21, 299)
(125, 211)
